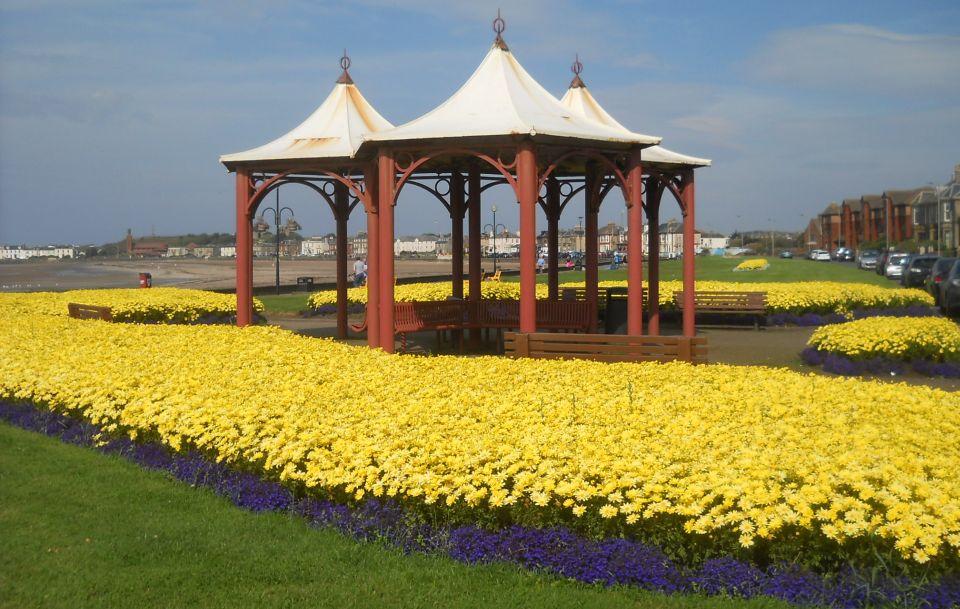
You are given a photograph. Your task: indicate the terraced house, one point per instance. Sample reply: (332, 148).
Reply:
(925, 216)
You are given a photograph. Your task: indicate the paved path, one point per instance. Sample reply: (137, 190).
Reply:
(777, 347)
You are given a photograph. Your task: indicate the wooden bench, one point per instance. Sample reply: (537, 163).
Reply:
(569, 315)
(446, 315)
(606, 347)
(82, 311)
(750, 304)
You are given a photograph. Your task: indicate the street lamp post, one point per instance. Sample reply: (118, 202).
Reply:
(770, 223)
(261, 226)
(493, 229)
(580, 239)
(939, 219)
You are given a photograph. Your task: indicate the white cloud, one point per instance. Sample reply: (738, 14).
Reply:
(860, 59)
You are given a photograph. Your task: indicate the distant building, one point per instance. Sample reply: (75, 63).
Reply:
(611, 238)
(714, 243)
(358, 246)
(425, 244)
(925, 214)
(671, 239)
(319, 246)
(505, 243)
(25, 253)
(149, 249)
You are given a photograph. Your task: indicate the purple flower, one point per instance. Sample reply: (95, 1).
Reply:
(612, 561)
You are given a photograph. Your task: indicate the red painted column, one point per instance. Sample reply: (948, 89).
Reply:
(527, 187)
(456, 232)
(476, 258)
(372, 188)
(689, 254)
(635, 245)
(591, 254)
(654, 192)
(244, 249)
(342, 211)
(388, 180)
(553, 238)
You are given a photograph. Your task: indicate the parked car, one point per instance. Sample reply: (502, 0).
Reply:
(820, 255)
(895, 265)
(950, 291)
(868, 259)
(786, 254)
(843, 254)
(937, 274)
(917, 270)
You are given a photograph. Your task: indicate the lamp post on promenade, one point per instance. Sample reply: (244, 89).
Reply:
(493, 229)
(261, 226)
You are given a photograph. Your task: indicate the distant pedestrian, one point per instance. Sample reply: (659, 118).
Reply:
(541, 264)
(359, 273)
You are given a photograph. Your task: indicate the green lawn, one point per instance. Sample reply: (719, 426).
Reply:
(718, 268)
(81, 529)
(285, 303)
(708, 268)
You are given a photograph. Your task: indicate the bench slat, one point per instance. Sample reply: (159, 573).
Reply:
(83, 311)
(606, 347)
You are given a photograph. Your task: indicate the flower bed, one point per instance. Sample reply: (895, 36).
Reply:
(154, 305)
(719, 460)
(754, 264)
(885, 344)
(823, 298)
(556, 550)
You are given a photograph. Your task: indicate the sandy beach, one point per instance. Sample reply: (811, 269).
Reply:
(57, 276)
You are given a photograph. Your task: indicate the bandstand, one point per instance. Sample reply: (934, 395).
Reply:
(500, 127)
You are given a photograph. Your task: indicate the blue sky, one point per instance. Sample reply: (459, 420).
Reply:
(113, 114)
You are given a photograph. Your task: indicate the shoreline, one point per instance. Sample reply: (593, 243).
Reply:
(219, 274)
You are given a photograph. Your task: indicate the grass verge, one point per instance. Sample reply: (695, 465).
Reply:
(718, 268)
(709, 268)
(82, 529)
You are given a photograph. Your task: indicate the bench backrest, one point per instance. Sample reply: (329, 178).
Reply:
(415, 316)
(747, 301)
(452, 314)
(565, 314)
(82, 311)
(606, 347)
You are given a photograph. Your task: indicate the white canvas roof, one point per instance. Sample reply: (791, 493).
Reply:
(335, 129)
(579, 99)
(501, 98)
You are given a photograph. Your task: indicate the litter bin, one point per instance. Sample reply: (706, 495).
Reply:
(304, 284)
(146, 280)
(615, 321)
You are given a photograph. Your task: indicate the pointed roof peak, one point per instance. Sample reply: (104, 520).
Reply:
(579, 100)
(335, 129)
(502, 99)
(576, 68)
(499, 25)
(345, 76)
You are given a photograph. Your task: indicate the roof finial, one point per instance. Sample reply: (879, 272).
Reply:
(498, 26)
(345, 64)
(576, 68)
